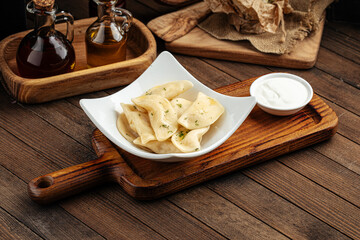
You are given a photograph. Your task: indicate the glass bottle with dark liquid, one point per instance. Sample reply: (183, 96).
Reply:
(106, 38)
(45, 51)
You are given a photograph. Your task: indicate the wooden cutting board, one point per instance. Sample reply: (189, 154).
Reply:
(261, 137)
(178, 30)
(201, 44)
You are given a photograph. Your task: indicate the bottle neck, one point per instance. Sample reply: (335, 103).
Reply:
(44, 21)
(105, 11)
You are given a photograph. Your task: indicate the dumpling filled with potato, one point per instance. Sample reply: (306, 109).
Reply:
(159, 121)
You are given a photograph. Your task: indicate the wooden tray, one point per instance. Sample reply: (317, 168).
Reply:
(141, 52)
(260, 138)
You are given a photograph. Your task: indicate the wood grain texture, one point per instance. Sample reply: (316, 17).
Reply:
(226, 217)
(11, 228)
(308, 195)
(141, 51)
(275, 211)
(51, 222)
(176, 24)
(144, 179)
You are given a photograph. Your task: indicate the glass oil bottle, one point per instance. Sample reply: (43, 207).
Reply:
(106, 38)
(45, 51)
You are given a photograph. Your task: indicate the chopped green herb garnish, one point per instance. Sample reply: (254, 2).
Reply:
(179, 105)
(196, 123)
(181, 135)
(167, 111)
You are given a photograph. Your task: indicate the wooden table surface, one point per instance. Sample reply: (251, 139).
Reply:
(313, 193)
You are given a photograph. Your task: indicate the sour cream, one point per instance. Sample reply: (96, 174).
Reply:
(281, 93)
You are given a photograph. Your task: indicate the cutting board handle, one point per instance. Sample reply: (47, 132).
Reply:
(72, 180)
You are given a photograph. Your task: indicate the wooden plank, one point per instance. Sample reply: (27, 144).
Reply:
(108, 218)
(348, 122)
(163, 216)
(51, 222)
(41, 137)
(349, 30)
(341, 43)
(62, 116)
(11, 228)
(272, 209)
(336, 68)
(225, 217)
(343, 39)
(341, 150)
(306, 194)
(327, 173)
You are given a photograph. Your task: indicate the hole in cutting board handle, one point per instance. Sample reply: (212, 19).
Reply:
(44, 182)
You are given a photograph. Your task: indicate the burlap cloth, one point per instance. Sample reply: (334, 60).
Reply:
(299, 24)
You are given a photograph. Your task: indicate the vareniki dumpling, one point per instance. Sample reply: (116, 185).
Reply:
(161, 122)
(188, 140)
(170, 90)
(158, 147)
(139, 122)
(180, 105)
(163, 117)
(202, 113)
(125, 129)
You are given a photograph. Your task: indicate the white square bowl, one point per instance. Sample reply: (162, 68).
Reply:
(103, 111)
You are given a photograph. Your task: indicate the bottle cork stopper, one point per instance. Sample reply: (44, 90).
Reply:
(44, 5)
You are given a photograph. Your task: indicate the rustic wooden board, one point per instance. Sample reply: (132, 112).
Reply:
(178, 31)
(141, 51)
(261, 137)
(199, 43)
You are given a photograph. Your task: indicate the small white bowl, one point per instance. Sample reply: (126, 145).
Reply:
(103, 112)
(277, 110)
